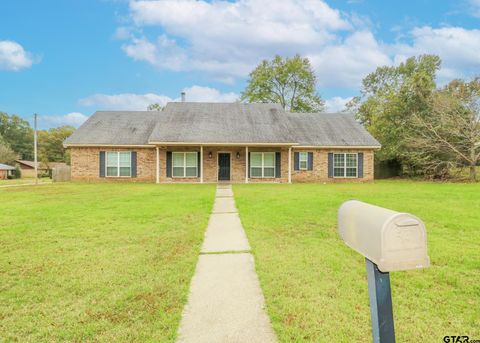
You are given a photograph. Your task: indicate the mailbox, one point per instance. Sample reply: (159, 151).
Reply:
(392, 240)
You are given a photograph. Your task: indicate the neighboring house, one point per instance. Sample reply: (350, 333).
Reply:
(28, 167)
(210, 142)
(6, 171)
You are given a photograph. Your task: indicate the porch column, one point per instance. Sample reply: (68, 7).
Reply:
(158, 165)
(290, 165)
(246, 164)
(201, 163)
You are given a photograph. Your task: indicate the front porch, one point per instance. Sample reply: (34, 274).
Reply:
(221, 163)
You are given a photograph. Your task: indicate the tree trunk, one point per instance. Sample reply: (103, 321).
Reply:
(473, 173)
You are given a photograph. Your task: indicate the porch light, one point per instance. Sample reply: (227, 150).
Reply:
(209, 154)
(238, 155)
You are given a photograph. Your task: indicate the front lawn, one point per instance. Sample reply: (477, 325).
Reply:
(98, 262)
(315, 287)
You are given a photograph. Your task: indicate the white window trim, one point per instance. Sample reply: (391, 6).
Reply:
(345, 165)
(263, 165)
(185, 164)
(300, 160)
(118, 164)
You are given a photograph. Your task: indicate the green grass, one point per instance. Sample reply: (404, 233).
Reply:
(315, 287)
(98, 262)
(23, 181)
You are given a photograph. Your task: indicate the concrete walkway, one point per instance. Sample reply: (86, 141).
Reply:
(225, 303)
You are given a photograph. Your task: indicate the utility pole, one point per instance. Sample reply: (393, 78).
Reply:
(35, 146)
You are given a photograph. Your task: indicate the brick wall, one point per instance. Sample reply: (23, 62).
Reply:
(85, 164)
(320, 166)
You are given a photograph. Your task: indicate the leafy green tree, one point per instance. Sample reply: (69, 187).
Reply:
(18, 134)
(50, 144)
(155, 107)
(7, 155)
(290, 82)
(389, 97)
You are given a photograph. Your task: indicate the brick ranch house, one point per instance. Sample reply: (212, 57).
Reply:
(211, 142)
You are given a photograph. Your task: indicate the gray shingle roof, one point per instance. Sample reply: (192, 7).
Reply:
(329, 129)
(6, 167)
(222, 123)
(116, 128)
(185, 122)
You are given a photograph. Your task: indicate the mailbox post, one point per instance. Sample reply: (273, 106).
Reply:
(389, 241)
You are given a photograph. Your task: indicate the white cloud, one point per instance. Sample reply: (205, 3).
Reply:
(13, 56)
(336, 104)
(458, 48)
(229, 38)
(125, 101)
(475, 8)
(74, 119)
(140, 102)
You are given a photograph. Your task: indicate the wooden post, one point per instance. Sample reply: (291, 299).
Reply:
(246, 164)
(290, 165)
(201, 163)
(158, 165)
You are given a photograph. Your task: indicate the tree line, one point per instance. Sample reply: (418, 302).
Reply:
(16, 141)
(425, 130)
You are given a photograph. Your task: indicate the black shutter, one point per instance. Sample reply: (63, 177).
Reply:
(248, 163)
(133, 161)
(310, 161)
(278, 164)
(296, 161)
(360, 164)
(198, 165)
(102, 164)
(330, 164)
(169, 164)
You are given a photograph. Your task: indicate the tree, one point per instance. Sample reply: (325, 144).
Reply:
(50, 144)
(7, 155)
(389, 97)
(450, 135)
(289, 82)
(18, 134)
(155, 107)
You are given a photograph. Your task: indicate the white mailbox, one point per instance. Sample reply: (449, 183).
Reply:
(392, 240)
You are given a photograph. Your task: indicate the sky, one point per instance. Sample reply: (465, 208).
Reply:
(65, 59)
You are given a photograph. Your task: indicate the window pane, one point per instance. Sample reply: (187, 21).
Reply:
(352, 172)
(256, 159)
(269, 172)
(191, 171)
(338, 160)
(303, 157)
(112, 159)
(351, 160)
(124, 171)
(112, 171)
(191, 159)
(269, 159)
(125, 159)
(178, 171)
(339, 172)
(256, 172)
(178, 159)
(303, 164)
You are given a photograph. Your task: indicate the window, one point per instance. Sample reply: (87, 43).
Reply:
(262, 164)
(303, 159)
(345, 165)
(184, 164)
(119, 163)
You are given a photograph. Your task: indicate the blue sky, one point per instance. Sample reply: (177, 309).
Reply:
(66, 59)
